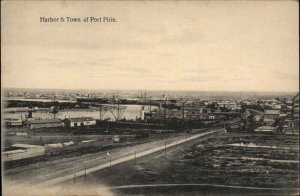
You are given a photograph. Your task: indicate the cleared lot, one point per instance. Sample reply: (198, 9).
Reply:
(260, 164)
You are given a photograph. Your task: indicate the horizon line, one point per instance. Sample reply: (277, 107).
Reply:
(180, 90)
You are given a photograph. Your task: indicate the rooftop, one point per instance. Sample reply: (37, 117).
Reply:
(43, 121)
(272, 112)
(81, 119)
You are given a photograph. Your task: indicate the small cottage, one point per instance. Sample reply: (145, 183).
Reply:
(80, 122)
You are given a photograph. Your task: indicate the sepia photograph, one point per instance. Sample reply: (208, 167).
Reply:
(105, 98)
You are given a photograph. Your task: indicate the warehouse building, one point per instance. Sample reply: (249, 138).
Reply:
(44, 123)
(270, 116)
(13, 123)
(158, 114)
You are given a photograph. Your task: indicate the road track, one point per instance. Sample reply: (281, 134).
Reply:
(64, 170)
(202, 185)
(126, 158)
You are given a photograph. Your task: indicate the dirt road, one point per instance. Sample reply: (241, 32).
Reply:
(57, 171)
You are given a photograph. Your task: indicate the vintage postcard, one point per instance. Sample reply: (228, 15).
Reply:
(150, 97)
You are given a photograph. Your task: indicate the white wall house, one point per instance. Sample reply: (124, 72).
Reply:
(211, 117)
(80, 122)
(230, 104)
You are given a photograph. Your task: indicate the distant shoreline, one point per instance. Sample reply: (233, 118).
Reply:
(153, 91)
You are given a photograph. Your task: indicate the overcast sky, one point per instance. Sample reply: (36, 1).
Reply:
(227, 46)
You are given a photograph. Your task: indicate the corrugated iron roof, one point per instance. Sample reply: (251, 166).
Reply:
(272, 112)
(26, 146)
(43, 121)
(81, 119)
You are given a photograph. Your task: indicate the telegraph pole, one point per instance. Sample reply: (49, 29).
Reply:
(109, 161)
(165, 149)
(100, 111)
(293, 106)
(85, 174)
(183, 114)
(165, 110)
(185, 136)
(183, 111)
(150, 106)
(118, 114)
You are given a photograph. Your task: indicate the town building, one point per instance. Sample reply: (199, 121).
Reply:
(44, 123)
(80, 122)
(159, 114)
(194, 114)
(199, 114)
(13, 122)
(270, 116)
(229, 104)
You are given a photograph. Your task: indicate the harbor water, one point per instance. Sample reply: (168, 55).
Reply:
(131, 113)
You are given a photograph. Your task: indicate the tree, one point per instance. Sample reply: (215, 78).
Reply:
(55, 111)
